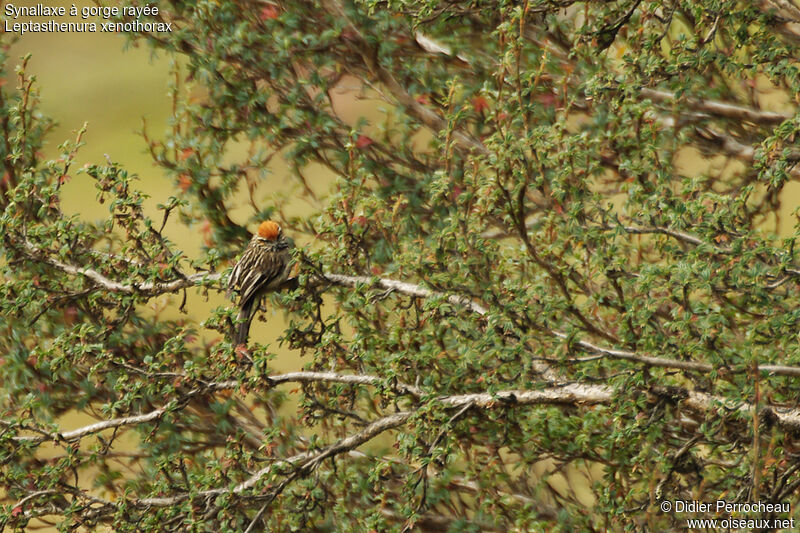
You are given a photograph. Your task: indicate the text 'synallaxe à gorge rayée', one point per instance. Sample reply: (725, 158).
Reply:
(105, 12)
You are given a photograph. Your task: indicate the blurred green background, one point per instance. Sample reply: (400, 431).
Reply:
(96, 78)
(86, 77)
(93, 78)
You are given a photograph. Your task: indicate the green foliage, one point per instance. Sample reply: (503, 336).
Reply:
(544, 290)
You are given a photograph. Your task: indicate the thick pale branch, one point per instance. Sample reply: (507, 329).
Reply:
(147, 288)
(306, 460)
(334, 377)
(405, 288)
(778, 370)
(97, 427)
(303, 463)
(742, 151)
(786, 417)
(292, 377)
(417, 291)
(717, 108)
(787, 9)
(572, 394)
(155, 288)
(680, 235)
(567, 394)
(302, 460)
(421, 292)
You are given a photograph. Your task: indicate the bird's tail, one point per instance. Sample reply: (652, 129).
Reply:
(243, 320)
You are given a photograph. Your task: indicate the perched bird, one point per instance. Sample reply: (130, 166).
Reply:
(263, 267)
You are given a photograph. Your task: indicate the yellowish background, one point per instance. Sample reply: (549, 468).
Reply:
(89, 78)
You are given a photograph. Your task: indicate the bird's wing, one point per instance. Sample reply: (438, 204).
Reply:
(266, 268)
(237, 275)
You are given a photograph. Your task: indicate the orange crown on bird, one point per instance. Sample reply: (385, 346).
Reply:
(269, 230)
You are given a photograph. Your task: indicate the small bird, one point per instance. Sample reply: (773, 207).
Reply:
(263, 267)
